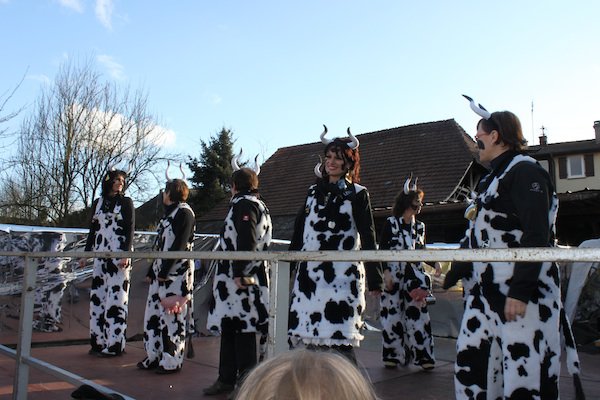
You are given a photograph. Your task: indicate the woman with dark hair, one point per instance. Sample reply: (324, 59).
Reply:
(328, 298)
(171, 284)
(404, 316)
(240, 304)
(112, 226)
(509, 343)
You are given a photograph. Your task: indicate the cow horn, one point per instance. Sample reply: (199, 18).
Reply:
(323, 140)
(355, 143)
(256, 166)
(234, 161)
(318, 168)
(478, 109)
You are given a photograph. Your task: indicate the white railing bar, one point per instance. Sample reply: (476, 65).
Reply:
(532, 254)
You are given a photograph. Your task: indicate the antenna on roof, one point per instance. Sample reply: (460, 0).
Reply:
(532, 129)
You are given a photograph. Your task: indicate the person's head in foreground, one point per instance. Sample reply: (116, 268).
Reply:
(306, 375)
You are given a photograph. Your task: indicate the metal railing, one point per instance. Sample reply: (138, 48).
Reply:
(279, 289)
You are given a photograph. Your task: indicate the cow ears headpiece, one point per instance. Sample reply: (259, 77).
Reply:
(235, 160)
(167, 171)
(478, 108)
(408, 186)
(353, 144)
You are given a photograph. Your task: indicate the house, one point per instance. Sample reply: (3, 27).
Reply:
(439, 153)
(575, 171)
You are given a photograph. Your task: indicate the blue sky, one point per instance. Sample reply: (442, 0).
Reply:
(275, 71)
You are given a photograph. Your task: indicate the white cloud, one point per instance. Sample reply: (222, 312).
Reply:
(163, 137)
(216, 99)
(111, 124)
(104, 11)
(115, 69)
(75, 5)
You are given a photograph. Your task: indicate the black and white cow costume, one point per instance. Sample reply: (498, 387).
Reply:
(406, 326)
(239, 312)
(499, 356)
(171, 281)
(111, 229)
(328, 298)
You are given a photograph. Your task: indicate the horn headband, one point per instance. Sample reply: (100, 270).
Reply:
(478, 108)
(408, 187)
(167, 171)
(235, 163)
(113, 168)
(353, 144)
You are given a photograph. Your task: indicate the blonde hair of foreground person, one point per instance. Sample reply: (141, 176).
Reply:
(306, 375)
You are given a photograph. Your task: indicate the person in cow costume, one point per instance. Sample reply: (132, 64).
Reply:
(171, 283)
(328, 298)
(240, 303)
(509, 342)
(111, 229)
(404, 316)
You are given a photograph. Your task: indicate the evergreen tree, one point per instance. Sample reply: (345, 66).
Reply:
(212, 172)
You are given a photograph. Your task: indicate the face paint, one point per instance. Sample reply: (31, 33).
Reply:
(480, 145)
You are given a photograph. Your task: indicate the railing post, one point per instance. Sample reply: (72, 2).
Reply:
(25, 326)
(279, 299)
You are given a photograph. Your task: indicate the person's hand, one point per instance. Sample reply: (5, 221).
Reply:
(238, 282)
(174, 304)
(388, 281)
(124, 262)
(514, 308)
(418, 295)
(82, 262)
(438, 269)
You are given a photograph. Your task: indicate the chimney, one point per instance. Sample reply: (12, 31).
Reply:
(597, 130)
(543, 137)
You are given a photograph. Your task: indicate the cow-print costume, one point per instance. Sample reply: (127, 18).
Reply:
(111, 229)
(406, 324)
(165, 332)
(328, 298)
(238, 314)
(518, 359)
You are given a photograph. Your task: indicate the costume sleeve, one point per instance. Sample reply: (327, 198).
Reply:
(385, 240)
(363, 217)
(89, 244)
(128, 213)
(245, 218)
(183, 227)
(459, 269)
(530, 193)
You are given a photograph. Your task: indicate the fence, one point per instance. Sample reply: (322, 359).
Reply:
(279, 290)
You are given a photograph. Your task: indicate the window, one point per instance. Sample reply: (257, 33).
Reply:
(576, 166)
